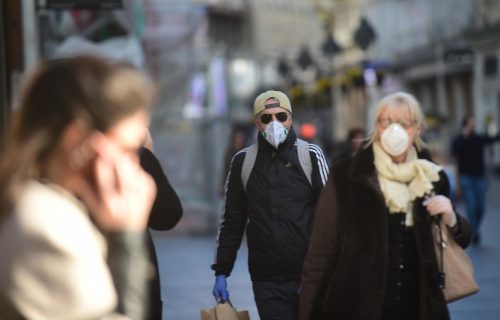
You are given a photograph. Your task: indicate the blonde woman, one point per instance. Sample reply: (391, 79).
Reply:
(371, 254)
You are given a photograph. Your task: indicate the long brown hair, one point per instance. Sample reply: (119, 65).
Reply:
(88, 89)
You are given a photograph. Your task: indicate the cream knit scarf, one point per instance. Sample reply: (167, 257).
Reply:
(402, 183)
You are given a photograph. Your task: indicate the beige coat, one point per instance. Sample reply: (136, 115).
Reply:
(53, 259)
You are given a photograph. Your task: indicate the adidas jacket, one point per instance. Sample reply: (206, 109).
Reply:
(276, 210)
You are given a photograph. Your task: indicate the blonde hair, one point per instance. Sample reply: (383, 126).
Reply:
(400, 100)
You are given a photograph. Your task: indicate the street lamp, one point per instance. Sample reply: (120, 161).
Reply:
(330, 49)
(365, 35)
(304, 59)
(284, 70)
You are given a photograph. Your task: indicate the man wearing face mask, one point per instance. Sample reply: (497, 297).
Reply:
(275, 204)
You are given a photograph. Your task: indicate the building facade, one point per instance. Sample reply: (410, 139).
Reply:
(444, 52)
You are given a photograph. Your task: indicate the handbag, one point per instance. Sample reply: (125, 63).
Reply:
(456, 273)
(223, 311)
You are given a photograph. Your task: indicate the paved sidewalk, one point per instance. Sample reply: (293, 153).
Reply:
(485, 305)
(187, 279)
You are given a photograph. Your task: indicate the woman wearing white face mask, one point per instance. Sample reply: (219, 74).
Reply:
(371, 254)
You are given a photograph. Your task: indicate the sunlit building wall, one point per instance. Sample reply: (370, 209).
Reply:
(484, 38)
(419, 47)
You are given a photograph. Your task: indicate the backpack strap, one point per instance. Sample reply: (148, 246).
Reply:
(305, 158)
(251, 155)
(248, 163)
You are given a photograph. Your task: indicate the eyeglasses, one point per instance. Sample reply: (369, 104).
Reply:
(385, 122)
(268, 117)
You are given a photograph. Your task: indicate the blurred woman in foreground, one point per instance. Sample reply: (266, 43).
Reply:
(371, 254)
(74, 200)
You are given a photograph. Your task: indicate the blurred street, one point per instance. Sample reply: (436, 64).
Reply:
(187, 279)
(208, 60)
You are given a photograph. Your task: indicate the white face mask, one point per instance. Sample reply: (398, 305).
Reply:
(275, 133)
(394, 139)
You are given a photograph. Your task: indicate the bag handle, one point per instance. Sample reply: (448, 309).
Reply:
(441, 243)
(442, 246)
(220, 301)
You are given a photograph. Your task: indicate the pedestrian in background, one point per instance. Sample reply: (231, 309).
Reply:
(275, 206)
(450, 170)
(165, 214)
(355, 138)
(371, 254)
(74, 200)
(468, 151)
(237, 141)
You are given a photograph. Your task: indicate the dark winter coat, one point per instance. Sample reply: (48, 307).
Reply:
(345, 269)
(469, 153)
(276, 210)
(165, 214)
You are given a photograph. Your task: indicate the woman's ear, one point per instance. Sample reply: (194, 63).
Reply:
(148, 140)
(74, 143)
(420, 129)
(73, 135)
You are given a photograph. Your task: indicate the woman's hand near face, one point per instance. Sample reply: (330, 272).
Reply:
(123, 193)
(441, 205)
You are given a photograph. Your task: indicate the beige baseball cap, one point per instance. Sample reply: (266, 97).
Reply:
(260, 101)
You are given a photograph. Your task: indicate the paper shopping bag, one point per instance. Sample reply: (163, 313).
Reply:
(223, 311)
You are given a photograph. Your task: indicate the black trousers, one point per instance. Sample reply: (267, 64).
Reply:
(277, 300)
(155, 303)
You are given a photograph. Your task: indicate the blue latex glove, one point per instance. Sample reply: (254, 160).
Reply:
(220, 288)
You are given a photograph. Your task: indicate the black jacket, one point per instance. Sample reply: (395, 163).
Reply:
(165, 213)
(276, 210)
(469, 153)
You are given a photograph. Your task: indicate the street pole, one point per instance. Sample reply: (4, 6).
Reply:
(442, 103)
(440, 78)
(4, 101)
(30, 35)
(333, 97)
